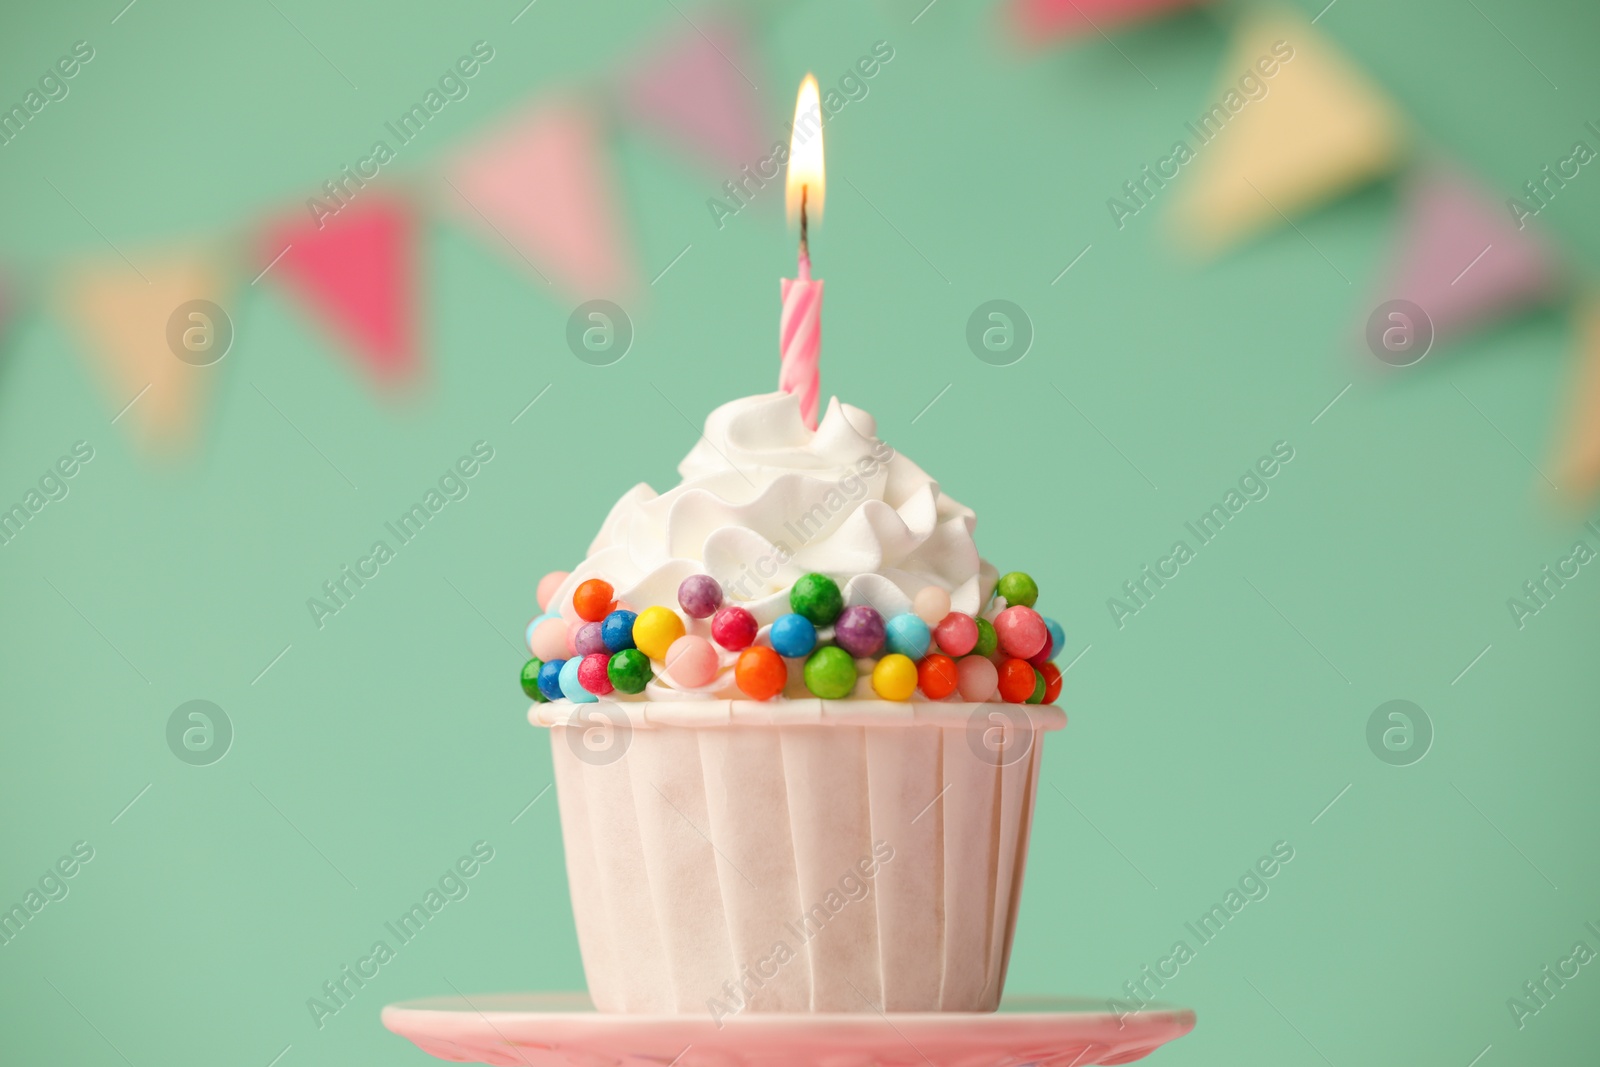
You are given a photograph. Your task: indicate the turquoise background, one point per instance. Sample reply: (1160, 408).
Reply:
(1220, 720)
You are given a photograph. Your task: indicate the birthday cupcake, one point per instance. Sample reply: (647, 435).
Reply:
(796, 724)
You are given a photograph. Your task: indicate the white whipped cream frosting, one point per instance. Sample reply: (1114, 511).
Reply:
(765, 500)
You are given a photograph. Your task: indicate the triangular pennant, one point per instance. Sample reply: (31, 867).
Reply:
(1461, 258)
(156, 336)
(1292, 125)
(695, 90)
(540, 183)
(1038, 20)
(357, 272)
(1577, 464)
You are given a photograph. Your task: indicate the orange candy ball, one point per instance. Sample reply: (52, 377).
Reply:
(1052, 682)
(760, 673)
(937, 676)
(1016, 681)
(594, 600)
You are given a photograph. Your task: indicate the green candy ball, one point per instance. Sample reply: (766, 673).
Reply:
(988, 640)
(830, 673)
(1018, 588)
(1037, 696)
(530, 680)
(817, 597)
(629, 670)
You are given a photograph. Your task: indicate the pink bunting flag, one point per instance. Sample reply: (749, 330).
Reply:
(357, 272)
(696, 91)
(1044, 19)
(540, 184)
(1462, 259)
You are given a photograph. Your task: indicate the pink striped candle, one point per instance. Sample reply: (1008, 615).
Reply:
(800, 341)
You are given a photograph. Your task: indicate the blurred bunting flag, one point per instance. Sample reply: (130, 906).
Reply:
(1040, 20)
(356, 271)
(1274, 144)
(695, 91)
(133, 322)
(540, 184)
(1577, 462)
(1461, 258)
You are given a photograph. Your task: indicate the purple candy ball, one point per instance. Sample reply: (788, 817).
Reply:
(859, 631)
(589, 639)
(700, 596)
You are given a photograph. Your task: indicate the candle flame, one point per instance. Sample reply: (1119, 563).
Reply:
(805, 154)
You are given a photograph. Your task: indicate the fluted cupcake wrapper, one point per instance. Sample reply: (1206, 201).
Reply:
(850, 865)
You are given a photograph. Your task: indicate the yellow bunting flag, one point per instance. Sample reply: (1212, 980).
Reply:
(1292, 125)
(156, 332)
(1577, 469)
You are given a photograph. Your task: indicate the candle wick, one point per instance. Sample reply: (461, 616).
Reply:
(805, 244)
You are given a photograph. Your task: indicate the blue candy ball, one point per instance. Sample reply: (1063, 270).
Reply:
(550, 678)
(908, 635)
(569, 683)
(527, 636)
(1058, 637)
(792, 636)
(617, 631)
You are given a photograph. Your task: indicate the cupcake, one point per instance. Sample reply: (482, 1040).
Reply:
(797, 723)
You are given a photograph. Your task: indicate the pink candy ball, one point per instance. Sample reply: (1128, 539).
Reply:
(691, 662)
(977, 679)
(592, 674)
(1022, 631)
(734, 629)
(547, 588)
(931, 604)
(957, 634)
(550, 640)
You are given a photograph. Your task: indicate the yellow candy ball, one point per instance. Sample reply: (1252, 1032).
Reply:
(895, 677)
(654, 631)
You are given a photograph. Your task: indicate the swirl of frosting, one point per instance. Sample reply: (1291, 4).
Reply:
(765, 500)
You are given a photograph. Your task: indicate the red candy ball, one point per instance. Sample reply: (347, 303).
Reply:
(734, 629)
(936, 676)
(1022, 632)
(592, 673)
(957, 634)
(593, 600)
(760, 673)
(1052, 682)
(1016, 679)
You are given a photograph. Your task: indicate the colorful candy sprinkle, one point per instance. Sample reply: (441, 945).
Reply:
(792, 636)
(699, 596)
(593, 600)
(760, 673)
(654, 631)
(830, 673)
(988, 641)
(550, 679)
(691, 662)
(547, 588)
(931, 604)
(859, 631)
(817, 597)
(617, 630)
(589, 639)
(908, 635)
(592, 673)
(894, 677)
(1018, 588)
(957, 634)
(533, 624)
(571, 687)
(530, 679)
(1037, 696)
(1016, 680)
(550, 640)
(1021, 631)
(936, 676)
(1052, 682)
(629, 671)
(978, 678)
(734, 629)
(1058, 637)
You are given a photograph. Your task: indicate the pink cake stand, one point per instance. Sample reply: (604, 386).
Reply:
(564, 1030)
